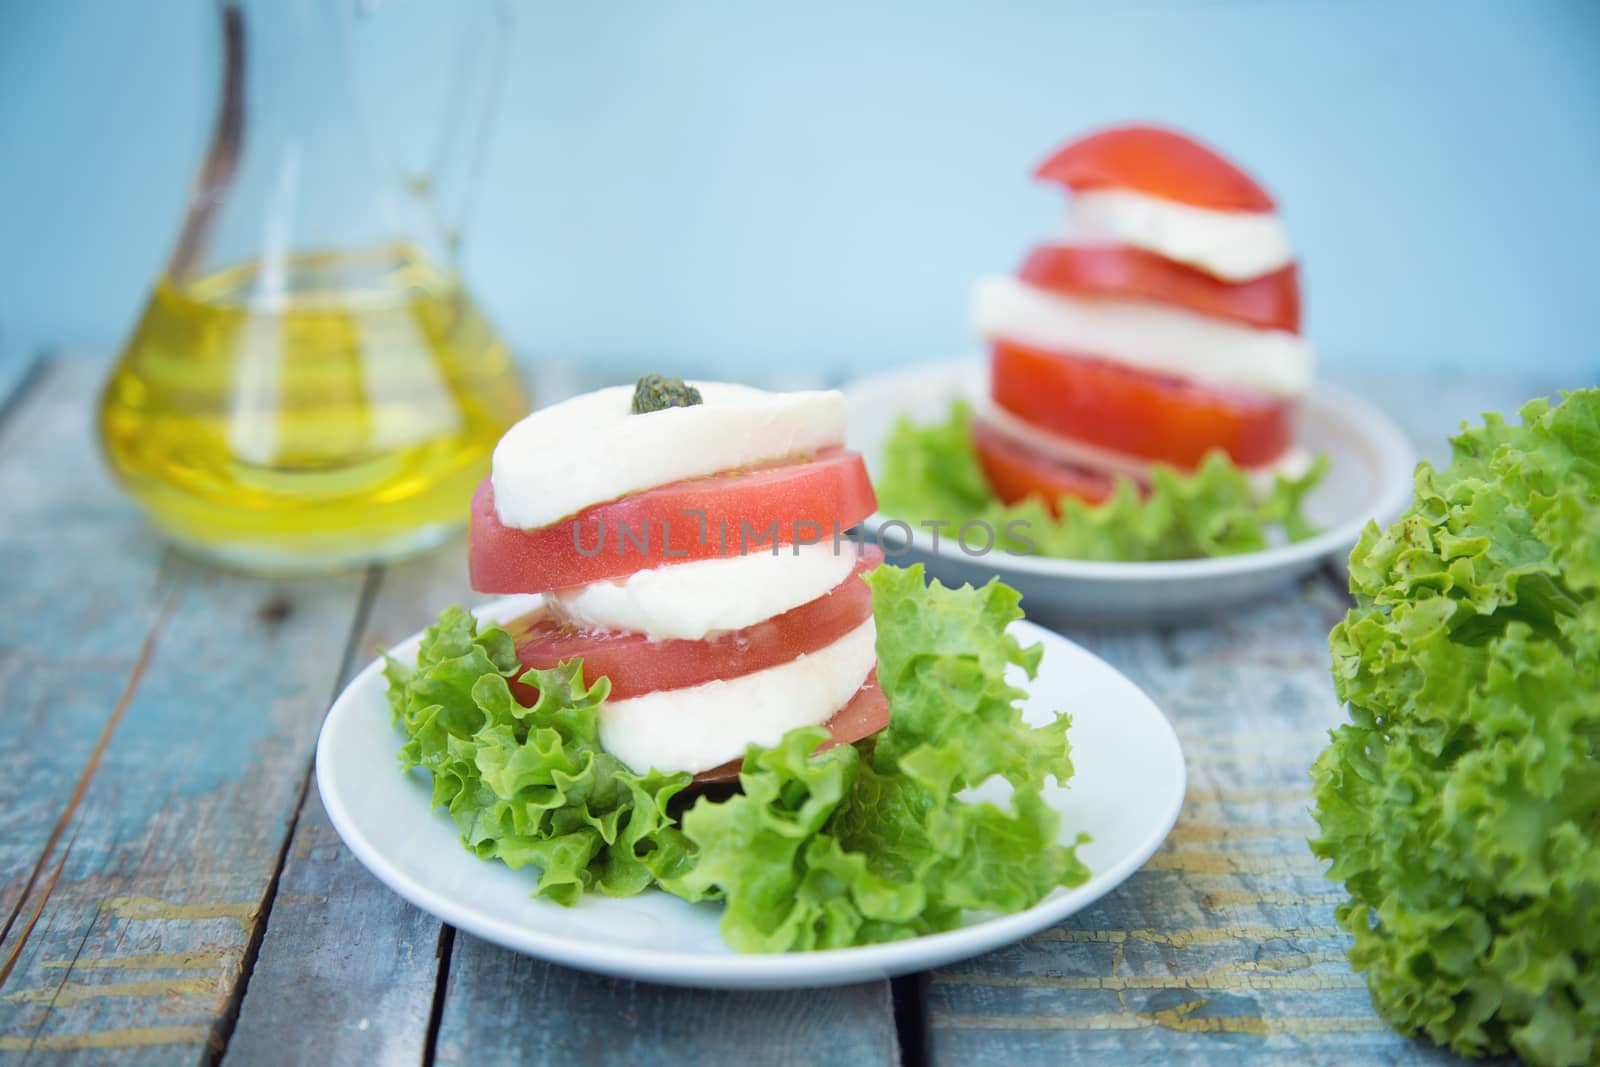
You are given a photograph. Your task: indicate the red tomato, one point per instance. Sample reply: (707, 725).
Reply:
(1016, 472)
(1137, 413)
(1271, 301)
(695, 519)
(865, 715)
(637, 665)
(1156, 162)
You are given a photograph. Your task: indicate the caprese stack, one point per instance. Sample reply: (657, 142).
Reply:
(1165, 324)
(690, 550)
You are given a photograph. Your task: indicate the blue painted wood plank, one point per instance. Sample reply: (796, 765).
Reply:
(501, 1007)
(82, 585)
(347, 970)
(136, 941)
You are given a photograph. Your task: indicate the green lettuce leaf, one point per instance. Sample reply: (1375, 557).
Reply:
(529, 786)
(853, 845)
(873, 843)
(1461, 804)
(932, 474)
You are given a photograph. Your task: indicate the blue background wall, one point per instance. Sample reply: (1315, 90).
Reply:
(734, 185)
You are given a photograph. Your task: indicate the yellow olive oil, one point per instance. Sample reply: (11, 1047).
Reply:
(335, 408)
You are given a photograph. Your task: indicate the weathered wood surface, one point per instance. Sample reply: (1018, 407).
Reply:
(180, 708)
(347, 970)
(500, 1007)
(163, 868)
(141, 933)
(68, 573)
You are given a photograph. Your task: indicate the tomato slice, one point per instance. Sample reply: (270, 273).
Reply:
(1136, 413)
(865, 715)
(637, 665)
(1158, 162)
(1271, 301)
(1016, 472)
(701, 518)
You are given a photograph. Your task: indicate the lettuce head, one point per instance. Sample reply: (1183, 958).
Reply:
(1461, 804)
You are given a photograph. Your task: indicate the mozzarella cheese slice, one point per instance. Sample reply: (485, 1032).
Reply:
(591, 449)
(704, 726)
(1148, 337)
(690, 601)
(1232, 245)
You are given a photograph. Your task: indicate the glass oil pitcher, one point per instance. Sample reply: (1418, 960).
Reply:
(310, 386)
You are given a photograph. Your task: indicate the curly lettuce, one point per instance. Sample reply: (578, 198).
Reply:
(931, 473)
(873, 842)
(529, 786)
(851, 845)
(1461, 804)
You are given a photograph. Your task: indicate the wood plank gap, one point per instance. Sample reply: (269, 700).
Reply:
(909, 995)
(222, 1030)
(26, 386)
(66, 973)
(447, 945)
(92, 764)
(49, 887)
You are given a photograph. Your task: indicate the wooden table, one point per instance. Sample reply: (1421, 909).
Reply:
(171, 890)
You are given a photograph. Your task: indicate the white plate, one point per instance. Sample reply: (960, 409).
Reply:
(1370, 462)
(1126, 793)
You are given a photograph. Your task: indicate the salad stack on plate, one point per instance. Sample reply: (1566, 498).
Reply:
(688, 543)
(1145, 374)
(1164, 327)
(704, 616)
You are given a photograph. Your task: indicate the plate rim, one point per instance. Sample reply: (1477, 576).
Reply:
(814, 968)
(1397, 459)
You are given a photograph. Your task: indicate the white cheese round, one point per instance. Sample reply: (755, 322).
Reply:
(1148, 337)
(591, 449)
(1232, 245)
(690, 601)
(704, 726)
